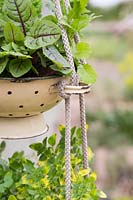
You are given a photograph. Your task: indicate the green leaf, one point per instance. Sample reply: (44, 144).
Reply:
(8, 180)
(38, 5)
(37, 147)
(12, 33)
(12, 197)
(82, 50)
(83, 3)
(19, 67)
(42, 58)
(65, 71)
(15, 54)
(87, 74)
(2, 146)
(3, 63)
(18, 48)
(52, 140)
(54, 55)
(2, 188)
(19, 12)
(7, 47)
(42, 34)
(101, 194)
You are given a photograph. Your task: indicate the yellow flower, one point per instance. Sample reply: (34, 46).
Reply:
(24, 180)
(90, 154)
(45, 181)
(93, 175)
(84, 172)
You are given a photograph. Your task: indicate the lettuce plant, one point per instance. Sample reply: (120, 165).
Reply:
(31, 44)
(21, 179)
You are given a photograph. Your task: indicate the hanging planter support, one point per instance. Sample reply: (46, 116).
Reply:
(71, 90)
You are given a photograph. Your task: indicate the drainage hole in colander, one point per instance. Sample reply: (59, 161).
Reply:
(9, 92)
(36, 92)
(21, 106)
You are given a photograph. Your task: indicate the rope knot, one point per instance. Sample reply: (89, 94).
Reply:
(61, 87)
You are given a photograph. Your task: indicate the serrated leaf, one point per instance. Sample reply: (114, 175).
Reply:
(3, 63)
(12, 33)
(87, 74)
(42, 34)
(52, 140)
(19, 67)
(82, 50)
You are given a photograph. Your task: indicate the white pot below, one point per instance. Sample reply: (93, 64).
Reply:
(19, 128)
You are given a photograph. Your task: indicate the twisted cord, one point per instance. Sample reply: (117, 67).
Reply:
(74, 81)
(61, 89)
(68, 149)
(67, 4)
(65, 40)
(82, 108)
(67, 101)
(84, 131)
(83, 118)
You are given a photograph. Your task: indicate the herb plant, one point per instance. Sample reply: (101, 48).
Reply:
(21, 179)
(31, 44)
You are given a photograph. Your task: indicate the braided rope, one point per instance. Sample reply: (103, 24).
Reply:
(82, 108)
(68, 149)
(67, 4)
(74, 81)
(84, 132)
(65, 41)
(67, 101)
(83, 119)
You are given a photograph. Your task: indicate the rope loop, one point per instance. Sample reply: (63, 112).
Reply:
(66, 90)
(61, 87)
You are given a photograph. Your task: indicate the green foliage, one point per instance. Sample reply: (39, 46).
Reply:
(19, 67)
(82, 50)
(38, 5)
(23, 180)
(104, 43)
(115, 12)
(13, 33)
(30, 42)
(107, 125)
(2, 147)
(126, 69)
(87, 74)
(43, 33)
(54, 55)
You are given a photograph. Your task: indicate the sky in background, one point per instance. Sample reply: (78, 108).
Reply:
(105, 3)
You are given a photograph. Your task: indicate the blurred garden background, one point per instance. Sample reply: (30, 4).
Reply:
(110, 103)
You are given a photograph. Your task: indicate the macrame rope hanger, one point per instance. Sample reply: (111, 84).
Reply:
(67, 97)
